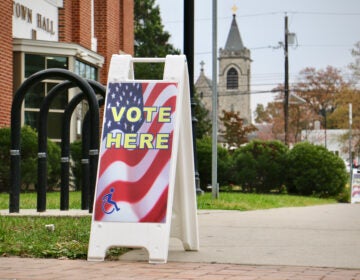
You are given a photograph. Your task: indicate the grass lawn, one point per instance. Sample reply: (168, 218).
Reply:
(245, 202)
(28, 237)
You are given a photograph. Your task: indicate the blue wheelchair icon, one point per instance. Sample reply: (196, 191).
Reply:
(109, 205)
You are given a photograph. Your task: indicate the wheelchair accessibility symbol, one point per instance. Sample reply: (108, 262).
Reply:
(108, 204)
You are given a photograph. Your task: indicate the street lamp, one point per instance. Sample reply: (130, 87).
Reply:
(214, 175)
(189, 52)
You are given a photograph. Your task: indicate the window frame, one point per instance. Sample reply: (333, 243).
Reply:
(232, 79)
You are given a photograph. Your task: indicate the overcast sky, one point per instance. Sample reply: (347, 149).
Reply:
(326, 31)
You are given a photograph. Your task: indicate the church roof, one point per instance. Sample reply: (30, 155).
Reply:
(234, 42)
(202, 79)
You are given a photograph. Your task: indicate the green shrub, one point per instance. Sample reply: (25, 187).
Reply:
(53, 164)
(29, 148)
(76, 155)
(344, 195)
(28, 164)
(4, 159)
(259, 166)
(204, 157)
(313, 170)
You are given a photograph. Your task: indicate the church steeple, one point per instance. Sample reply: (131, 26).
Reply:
(234, 77)
(234, 42)
(235, 74)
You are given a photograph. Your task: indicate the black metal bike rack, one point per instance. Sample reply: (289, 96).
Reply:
(72, 80)
(86, 198)
(86, 190)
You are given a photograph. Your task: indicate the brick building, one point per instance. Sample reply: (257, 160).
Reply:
(78, 35)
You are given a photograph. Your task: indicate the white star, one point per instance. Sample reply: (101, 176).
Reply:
(109, 123)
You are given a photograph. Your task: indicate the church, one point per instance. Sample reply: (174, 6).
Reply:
(233, 78)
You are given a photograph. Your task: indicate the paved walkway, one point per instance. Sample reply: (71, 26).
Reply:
(38, 269)
(318, 242)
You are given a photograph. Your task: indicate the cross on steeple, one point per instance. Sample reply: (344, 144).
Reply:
(234, 9)
(234, 42)
(202, 63)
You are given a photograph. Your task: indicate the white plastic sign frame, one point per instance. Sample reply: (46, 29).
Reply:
(181, 212)
(355, 188)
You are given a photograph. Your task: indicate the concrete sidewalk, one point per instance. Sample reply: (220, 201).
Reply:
(319, 236)
(317, 242)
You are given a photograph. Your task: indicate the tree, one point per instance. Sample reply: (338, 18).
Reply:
(352, 95)
(203, 124)
(320, 88)
(261, 114)
(355, 66)
(274, 116)
(329, 95)
(340, 117)
(235, 131)
(151, 39)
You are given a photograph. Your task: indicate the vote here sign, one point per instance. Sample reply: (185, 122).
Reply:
(135, 153)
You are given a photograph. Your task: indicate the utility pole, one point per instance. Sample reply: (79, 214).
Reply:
(286, 84)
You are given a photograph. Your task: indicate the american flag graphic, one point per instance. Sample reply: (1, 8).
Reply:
(132, 183)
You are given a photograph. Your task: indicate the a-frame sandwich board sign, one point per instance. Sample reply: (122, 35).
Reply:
(355, 188)
(145, 189)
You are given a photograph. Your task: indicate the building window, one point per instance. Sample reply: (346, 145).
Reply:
(85, 70)
(36, 95)
(232, 80)
(89, 72)
(36, 62)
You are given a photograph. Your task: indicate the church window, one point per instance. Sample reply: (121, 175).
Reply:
(232, 81)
